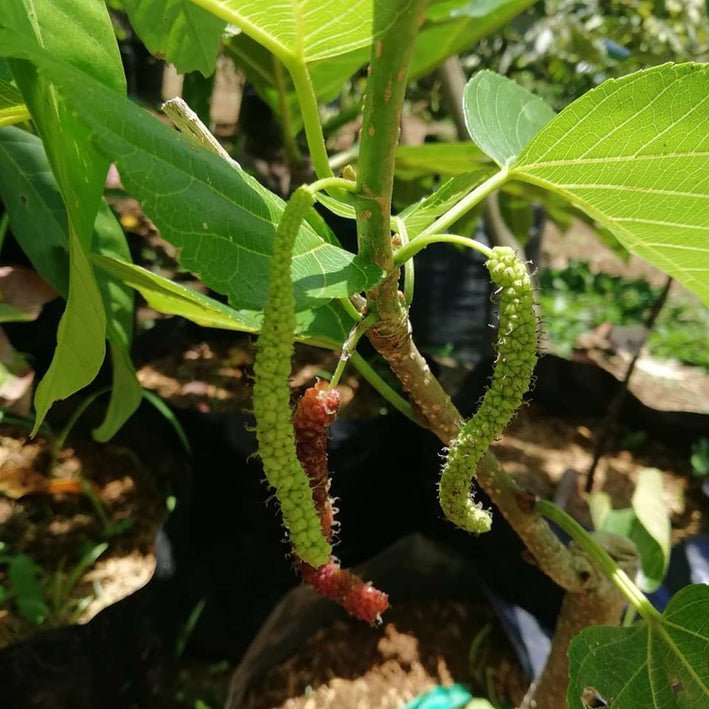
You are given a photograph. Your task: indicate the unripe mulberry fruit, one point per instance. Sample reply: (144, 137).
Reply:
(272, 366)
(516, 357)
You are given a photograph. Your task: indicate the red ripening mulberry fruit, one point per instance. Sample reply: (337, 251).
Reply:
(313, 417)
(359, 598)
(315, 413)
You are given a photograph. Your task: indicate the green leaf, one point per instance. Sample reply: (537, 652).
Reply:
(184, 34)
(34, 204)
(327, 76)
(454, 27)
(126, 393)
(657, 663)
(222, 219)
(167, 413)
(633, 154)
(308, 30)
(27, 586)
(9, 313)
(118, 299)
(653, 546)
(79, 32)
(518, 215)
(80, 337)
(424, 213)
(501, 116)
(652, 513)
(327, 326)
(12, 108)
(438, 158)
(173, 299)
(39, 221)
(442, 10)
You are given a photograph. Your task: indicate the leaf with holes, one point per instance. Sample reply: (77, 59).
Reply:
(661, 662)
(634, 154)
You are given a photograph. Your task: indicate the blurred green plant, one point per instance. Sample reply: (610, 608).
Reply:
(700, 458)
(575, 300)
(560, 49)
(45, 597)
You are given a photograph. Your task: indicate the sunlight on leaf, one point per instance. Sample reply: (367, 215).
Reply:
(326, 326)
(308, 30)
(221, 218)
(39, 221)
(12, 108)
(634, 154)
(454, 26)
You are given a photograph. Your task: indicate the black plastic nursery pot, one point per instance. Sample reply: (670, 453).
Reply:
(413, 569)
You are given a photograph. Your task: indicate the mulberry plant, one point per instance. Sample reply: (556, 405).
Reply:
(631, 154)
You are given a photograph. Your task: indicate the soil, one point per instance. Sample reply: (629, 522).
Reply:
(57, 529)
(418, 647)
(541, 451)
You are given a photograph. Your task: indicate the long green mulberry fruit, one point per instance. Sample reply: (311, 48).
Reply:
(274, 418)
(516, 356)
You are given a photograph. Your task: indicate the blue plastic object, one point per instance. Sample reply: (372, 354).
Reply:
(454, 697)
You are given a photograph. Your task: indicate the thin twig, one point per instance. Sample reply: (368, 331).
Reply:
(604, 437)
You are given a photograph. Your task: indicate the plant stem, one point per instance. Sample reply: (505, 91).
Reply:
(405, 253)
(600, 556)
(190, 125)
(291, 147)
(311, 117)
(391, 335)
(379, 137)
(387, 393)
(343, 116)
(339, 160)
(409, 271)
(328, 183)
(350, 309)
(616, 404)
(350, 344)
(467, 203)
(452, 78)
(96, 503)
(60, 440)
(4, 224)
